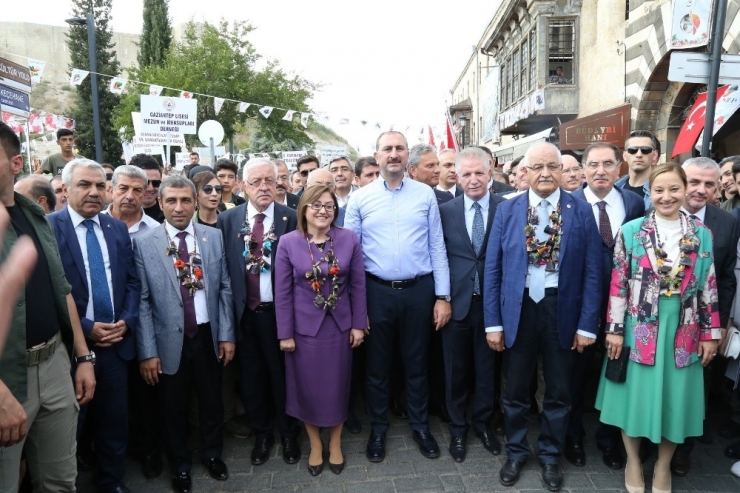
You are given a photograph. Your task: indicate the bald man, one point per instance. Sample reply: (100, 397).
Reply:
(38, 189)
(572, 174)
(322, 176)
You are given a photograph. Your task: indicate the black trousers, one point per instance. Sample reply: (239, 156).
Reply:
(262, 379)
(200, 369)
(537, 335)
(468, 359)
(406, 313)
(144, 417)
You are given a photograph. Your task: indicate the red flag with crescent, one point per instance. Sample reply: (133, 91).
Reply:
(694, 123)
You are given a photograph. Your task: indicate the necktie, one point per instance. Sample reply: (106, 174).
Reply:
(605, 226)
(477, 240)
(102, 304)
(693, 217)
(537, 274)
(253, 279)
(188, 302)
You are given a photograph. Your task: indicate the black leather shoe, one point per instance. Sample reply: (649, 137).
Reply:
(613, 458)
(733, 451)
(217, 469)
(427, 444)
(182, 482)
(680, 464)
(489, 441)
(291, 450)
(151, 466)
(458, 449)
(498, 423)
(575, 454)
(399, 410)
(509, 474)
(336, 468)
(315, 470)
(375, 450)
(552, 477)
(353, 424)
(729, 430)
(261, 450)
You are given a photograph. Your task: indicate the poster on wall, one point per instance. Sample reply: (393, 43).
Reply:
(692, 21)
(489, 90)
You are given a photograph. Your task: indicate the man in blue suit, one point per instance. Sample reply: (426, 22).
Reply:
(544, 248)
(99, 264)
(612, 207)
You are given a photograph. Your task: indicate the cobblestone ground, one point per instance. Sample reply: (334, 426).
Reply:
(404, 468)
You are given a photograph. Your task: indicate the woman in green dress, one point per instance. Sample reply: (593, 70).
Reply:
(663, 306)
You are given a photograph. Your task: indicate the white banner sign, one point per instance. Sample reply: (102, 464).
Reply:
(291, 157)
(168, 115)
(726, 107)
(330, 152)
(182, 159)
(153, 138)
(691, 23)
(37, 69)
(206, 151)
(147, 149)
(489, 98)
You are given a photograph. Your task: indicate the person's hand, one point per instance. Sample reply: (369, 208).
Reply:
(105, 335)
(614, 344)
(14, 274)
(84, 382)
(707, 351)
(150, 370)
(495, 340)
(442, 313)
(287, 345)
(116, 333)
(226, 352)
(13, 419)
(356, 337)
(582, 342)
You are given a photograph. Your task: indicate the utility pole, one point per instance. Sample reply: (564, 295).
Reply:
(715, 60)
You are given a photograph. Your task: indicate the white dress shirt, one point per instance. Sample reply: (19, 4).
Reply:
(614, 208)
(140, 227)
(265, 277)
(700, 214)
(81, 232)
(470, 212)
(343, 201)
(199, 299)
(452, 189)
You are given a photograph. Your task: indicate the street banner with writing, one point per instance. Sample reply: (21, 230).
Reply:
(489, 96)
(14, 101)
(117, 85)
(291, 157)
(694, 123)
(182, 159)
(266, 111)
(217, 104)
(727, 105)
(37, 69)
(168, 115)
(691, 23)
(330, 152)
(155, 138)
(77, 76)
(15, 76)
(155, 90)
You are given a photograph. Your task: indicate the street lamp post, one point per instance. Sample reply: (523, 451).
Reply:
(463, 121)
(92, 55)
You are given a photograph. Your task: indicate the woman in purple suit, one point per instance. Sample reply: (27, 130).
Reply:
(321, 316)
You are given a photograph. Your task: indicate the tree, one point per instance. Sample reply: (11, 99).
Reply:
(219, 60)
(156, 35)
(107, 64)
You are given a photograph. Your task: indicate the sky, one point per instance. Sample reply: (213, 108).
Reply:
(391, 61)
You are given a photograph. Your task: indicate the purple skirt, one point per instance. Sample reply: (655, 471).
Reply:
(317, 376)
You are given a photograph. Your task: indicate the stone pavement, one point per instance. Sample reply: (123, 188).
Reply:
(404, 468)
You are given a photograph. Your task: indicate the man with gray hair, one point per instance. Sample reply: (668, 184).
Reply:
(703, 176)
(129, 186)
(424, 167)
(38, 189)
(251, 234)
(56, 184)
(99, 263)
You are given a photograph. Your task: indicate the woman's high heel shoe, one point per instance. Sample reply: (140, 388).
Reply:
(656, 490)
(336, 468)
(316, 470)
(634, 489)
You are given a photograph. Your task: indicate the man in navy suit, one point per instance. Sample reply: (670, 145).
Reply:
(99, 264)
(447, 174)
(612, 207)
(544, 248)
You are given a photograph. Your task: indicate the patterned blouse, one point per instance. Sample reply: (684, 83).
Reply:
(635, 290)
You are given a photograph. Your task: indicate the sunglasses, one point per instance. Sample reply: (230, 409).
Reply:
(108, 176)
(155, 183)
(305, 172)
(644, 150)
(208, 189)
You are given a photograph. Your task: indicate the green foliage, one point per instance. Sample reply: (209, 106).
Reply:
(219, 60)
(156, 35)
(107, 64)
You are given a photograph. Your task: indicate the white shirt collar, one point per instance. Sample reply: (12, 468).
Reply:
(552, 199)
(252, 211)
(700, 214)
(452, 189)
(484, 201)
(611, 199)
(172, 231)
(148, 221)
(77, 219)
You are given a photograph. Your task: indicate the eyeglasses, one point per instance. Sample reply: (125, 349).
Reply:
(267, 181)
(108, 176)
(208, 189)
(317, 207)
(552, 167)
(574, 169)
(282, 178)
(343, 169)
(155, 183)
(608, 165)
(644, 149)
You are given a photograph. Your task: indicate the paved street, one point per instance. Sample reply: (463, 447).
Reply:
(406, 470)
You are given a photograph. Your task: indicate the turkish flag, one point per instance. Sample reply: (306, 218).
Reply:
(694, 123)
(431, 136)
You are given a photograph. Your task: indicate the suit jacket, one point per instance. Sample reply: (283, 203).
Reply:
(443, 197)
(162, 317)
(126, 285)
(230, 223)
(725, 232)
(460, 253)
(580, 271)
(501, 188)
(294, 307)
(291, 200)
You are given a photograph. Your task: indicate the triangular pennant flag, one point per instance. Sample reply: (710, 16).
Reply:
(217, 104)
(289, 116)
(186, 94)
(266, 111)
(304, 119)
(36, 67)
(117, 85)
(243, 107)
(344, 121)
(77, 76)
(364, 122)
(155, 90)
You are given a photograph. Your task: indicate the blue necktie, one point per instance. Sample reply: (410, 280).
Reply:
(477, 240)
(537, 275)
(102, 304)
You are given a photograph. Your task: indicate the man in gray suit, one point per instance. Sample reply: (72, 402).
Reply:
(186, 326)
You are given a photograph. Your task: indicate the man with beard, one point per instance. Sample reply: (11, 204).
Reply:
(56, 184)
(572, 171)
(154, 177)
(282, 193)
(366, 171)
(728, 184)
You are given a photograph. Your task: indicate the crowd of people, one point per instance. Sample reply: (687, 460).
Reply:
(252, 300)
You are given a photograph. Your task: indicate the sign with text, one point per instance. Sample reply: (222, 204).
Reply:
(611, 126)
(15, 75)
(147, 138)
(182, 159)
(168, 115)
(206, 151)
(15, 102)
(331, 152)
(146, 149)
(292, 157)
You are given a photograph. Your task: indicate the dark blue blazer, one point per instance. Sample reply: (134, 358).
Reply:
(126, 284)
(580, 271)
(443, 197)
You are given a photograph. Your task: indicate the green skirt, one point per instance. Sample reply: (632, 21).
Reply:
(659, 401)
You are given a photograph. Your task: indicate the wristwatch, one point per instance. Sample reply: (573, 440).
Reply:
(84, 359)
(447, 298)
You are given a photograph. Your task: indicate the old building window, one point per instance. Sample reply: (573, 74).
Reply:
(503, 97)
(523, 67)
(515, 76)
(509, 92)
(533, 59)
(561, 46)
